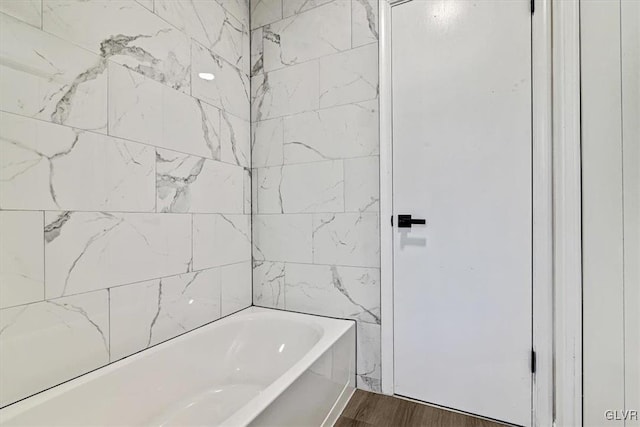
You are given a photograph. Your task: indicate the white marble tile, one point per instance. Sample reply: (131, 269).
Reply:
(235, 284)
(53, 80)
(208, 23)
(40, 164)
(85, 251)
(364, 22)
(350, 76)
(267, 142)
(29, 11)
(361, 184)
(268, 284)
(287, 91)
(292, 7)
(311, 187)
(238, 8)
(146, 3)
(373, 385)
(335, 291)
(125, 32)
(333, 133)
(254, 191)
(256, 52)
(346, 239)
(140, 109)
(187, 183)
(317, 32)
(46, 343)
(21, 257)
(229, 90)
(282, 237)
(147, 313)
(235, 140)
(220, 240)
(247, 189)
(264, 12)
(368, 355)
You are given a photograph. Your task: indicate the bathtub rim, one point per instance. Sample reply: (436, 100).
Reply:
(332, 330)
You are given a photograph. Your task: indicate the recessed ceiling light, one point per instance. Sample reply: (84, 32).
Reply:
(206, 76)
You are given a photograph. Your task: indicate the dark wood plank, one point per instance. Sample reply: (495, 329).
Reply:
(350, 422)
(375, 410)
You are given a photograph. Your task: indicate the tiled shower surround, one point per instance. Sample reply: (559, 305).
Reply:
(314, 87)
(125, 185)
(125, 192)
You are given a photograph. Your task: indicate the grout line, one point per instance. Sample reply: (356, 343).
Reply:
(128, 284)
(131, 141)
(318, 58)
(317, 110)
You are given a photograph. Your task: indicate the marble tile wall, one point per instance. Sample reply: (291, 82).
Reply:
(125, 179)
(314, 106)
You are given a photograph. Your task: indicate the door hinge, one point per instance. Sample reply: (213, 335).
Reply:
(533, 6)
(392, 220)
(533, 361)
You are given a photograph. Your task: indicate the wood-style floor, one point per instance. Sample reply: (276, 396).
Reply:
(369, 409)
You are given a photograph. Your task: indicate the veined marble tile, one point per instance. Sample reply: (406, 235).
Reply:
(41, 164)
(256, 52)
(229, 90)
(29, 11)
(248, 191)
(147, 313)
(146, 3)
(287, 91)
(254, 191)
(238, 8)
(187, 183)
(368, 355)
(364, 22)
(53, 80)
(267, 142)
(361, 184)
(350, 76)
(264, 12)
(140, 109)
(292, 7)
(282, 238)
(21, 257)
(85, 251)
(309, 35)
(209, 23)
(125, 32)
(268, 284)
(333, 133)
(220, 240)
(235, 137)
(346, 239)
(330, 290)
(235, 283)
(311, 187)
(46, 343)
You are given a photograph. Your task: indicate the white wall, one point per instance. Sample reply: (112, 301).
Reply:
(315, 157)
(125, 186)
(610, 190)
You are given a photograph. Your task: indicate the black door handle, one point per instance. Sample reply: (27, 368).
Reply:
(405, 221)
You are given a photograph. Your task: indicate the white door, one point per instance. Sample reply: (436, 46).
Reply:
(462, 161)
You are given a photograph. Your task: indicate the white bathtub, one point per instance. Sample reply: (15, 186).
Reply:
(256, 367)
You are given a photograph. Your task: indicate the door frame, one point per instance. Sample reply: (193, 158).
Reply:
(556, 281)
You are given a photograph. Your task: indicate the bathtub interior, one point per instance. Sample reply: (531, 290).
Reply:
(208, 374)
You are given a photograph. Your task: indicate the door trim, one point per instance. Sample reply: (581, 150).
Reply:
(556, 204)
